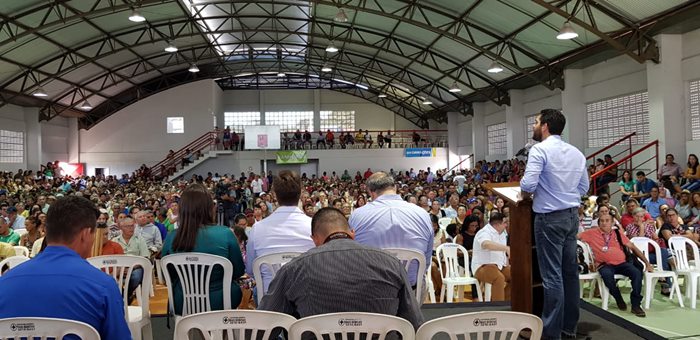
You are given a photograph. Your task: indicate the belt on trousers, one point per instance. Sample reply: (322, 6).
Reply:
(559, 211)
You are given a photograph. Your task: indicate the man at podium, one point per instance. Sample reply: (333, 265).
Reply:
(556, 177)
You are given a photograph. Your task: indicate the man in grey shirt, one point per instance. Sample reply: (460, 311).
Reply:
(340, 275)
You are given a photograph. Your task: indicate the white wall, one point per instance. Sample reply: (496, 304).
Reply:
(691, 72)
(328, 160)
(12, 119)
(137, 134)
(54, 140)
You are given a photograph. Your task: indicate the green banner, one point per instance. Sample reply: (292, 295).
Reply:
(291, 157)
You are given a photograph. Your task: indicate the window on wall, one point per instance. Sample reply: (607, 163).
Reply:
(695, 109)
(290, 121)
(11, 146)
(238, 120)
(338, 120)
(496, 135)
(529, 123)
(612, 119)
(176, 125)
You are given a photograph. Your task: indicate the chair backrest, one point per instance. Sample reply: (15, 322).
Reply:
(449, 253)
(407, 257)
(21, 232)
(273, 263)
(12, 261)
(120, 267)
(194, 273)
(587, 252)
(643, 244)
(443, 222)
(679, 246)
(21, 251)
(483, 325)
(344, 324)
(234, 323)
(45, 328)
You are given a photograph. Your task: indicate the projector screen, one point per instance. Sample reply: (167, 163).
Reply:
(259, 137)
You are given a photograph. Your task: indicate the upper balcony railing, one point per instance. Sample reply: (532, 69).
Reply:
(598, 179)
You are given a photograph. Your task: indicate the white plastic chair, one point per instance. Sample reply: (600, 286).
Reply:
(407, 258)
(592, 277)
(443, 222)
(120, 267)
(44, 328)
(482, 325)
(21, 251)
(234, 323)
(429, 283)
(679, 246)
(448, 253)
(352, 323)
(273, 262)
(21, 232)
(194, 273)
(12, 261)
(650, 279)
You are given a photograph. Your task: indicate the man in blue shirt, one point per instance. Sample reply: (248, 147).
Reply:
(59, 283)
(644, 186)
(654, 203)
(556, 175)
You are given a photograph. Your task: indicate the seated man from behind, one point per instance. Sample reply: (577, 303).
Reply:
(340, 275)
(59, 283)
(610, 260)
(490, 257)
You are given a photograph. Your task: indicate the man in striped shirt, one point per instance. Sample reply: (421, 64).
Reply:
(341, 275)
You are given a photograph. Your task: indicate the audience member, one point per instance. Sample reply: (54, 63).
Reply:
(390, 222)
(307, 286)
(287, 229)
(199, 233)
(490, 257)
(61, 283)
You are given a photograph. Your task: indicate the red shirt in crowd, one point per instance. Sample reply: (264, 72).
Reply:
(597, 240)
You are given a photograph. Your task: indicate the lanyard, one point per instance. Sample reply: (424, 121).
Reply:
(607, 241)
(336, 236)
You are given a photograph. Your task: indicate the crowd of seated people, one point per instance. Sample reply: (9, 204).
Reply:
(144, 217)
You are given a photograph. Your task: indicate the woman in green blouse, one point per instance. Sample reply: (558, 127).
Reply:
(199, 233)
(628, 185)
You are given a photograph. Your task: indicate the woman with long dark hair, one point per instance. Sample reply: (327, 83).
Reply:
(198, 232)
(692, 174)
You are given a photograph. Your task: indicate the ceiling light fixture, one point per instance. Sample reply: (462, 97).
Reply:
(136, 16)
(39, 92)
(331, 48)
(427, 102)
(193, 68)
(326, 68)
(86, 105)
(567, 32)
(454, 88)
(382, 95)
(281, 74)
(341, 16)
(495, 67)
(171, 48)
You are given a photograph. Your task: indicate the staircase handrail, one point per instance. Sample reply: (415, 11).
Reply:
(462, 161)
(629, 136)
(626, 159)
(203, 141)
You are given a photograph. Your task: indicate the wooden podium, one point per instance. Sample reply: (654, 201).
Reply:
(527, 292)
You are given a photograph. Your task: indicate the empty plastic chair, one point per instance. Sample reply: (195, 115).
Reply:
(482, 325)
(43, 328)
(120, 267)
(451, 277)
(679, 246)
(233, 323)
(650, 279)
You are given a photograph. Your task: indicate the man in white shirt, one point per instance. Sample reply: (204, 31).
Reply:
(459, 179)
(148, 232)
(257, 186)
(490, 257)
(287, 229)
(452, 205)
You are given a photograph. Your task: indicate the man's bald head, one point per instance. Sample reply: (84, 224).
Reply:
(328, 221)
(379, 183)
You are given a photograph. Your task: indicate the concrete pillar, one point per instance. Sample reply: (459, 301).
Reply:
(32, 137)
(574, 109)
(667, 119)
(73, 141)
(479, 132)
(317, 110)
(453, 134)
(515, 122)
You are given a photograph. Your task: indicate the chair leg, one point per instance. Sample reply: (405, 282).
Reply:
(487, 292)
(580, 289)
(676, 288)
(148, 331)
(604, 294)
(442, 292)
(648, 291)
(694, 292)
(450, 292)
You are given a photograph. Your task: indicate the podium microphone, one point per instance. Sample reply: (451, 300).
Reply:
(526, 149)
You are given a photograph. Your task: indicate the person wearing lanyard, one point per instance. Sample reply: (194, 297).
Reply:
(610, 259)
(556, 178)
